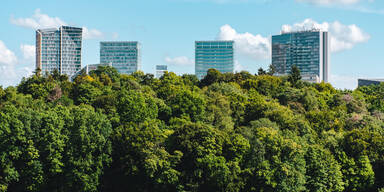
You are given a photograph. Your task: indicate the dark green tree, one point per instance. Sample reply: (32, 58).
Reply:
(294, 76)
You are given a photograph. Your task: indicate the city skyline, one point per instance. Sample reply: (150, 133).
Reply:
(168, 35)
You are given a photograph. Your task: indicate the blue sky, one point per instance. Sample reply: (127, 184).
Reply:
(167, 30)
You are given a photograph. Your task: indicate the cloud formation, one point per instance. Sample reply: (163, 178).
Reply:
(92, 33)
(342, 37)
(37, 21)
(179, 61)
(7, 57)
(28, 51)
(11, 67)
(343, 81)
(247, 44)
(40, 20)
(8, 60)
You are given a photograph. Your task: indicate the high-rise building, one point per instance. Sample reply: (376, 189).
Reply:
(218, 55)
(124, 55)
(308, 50)
(59, 49)
(160, 69)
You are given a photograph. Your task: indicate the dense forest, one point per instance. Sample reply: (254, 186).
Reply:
(227, 132)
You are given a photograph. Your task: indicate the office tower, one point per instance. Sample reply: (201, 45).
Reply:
(308, 50)
(218, 55)
(59, 49)
(367, 82)
(160, 69)
(124, 55)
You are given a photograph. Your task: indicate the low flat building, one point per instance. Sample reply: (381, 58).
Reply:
(367, 82)
(160, 69)
(88, 68)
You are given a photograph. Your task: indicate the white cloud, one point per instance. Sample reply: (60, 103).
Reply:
(28, 51)
(28, 60)
(11, 68)
(342, 37)
(7, 57)
(8, 60)
(40, 21)
(330, 2)
(343, 82)
(181, 61)
(238, 66)
(91, 33)
(247, 44)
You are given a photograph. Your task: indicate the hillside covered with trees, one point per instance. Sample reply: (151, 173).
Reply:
(228, 132)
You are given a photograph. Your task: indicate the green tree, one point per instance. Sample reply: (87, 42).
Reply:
(271, 70)
(294, 76)
(261, 71)
(134, 106)
(140, 159)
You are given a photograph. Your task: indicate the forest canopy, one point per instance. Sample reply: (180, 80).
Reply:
(227, 132)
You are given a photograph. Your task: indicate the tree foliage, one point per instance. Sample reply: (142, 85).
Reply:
(227, 132)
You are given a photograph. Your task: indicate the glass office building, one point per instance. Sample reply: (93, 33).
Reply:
(367, 82)
(308, 50)
(59, 49)
(160, 69)
(123, 55)
(218, 55)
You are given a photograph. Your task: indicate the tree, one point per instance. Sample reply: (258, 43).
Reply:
(213, 76)
(228, 132)
(271, 70)
(261, 71)
(322, 170)
(134, 106)
(187, 104)
(274, 163)
(294, 75)
(141, 161)
(88, 149)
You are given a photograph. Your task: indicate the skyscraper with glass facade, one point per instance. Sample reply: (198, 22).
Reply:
(218, 55)
(59, 49)
(123, 55)
(308, 50)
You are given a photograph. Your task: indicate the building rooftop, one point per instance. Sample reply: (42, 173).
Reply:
(55, 29)
(302, 31)
(213, 41)
(379, 80)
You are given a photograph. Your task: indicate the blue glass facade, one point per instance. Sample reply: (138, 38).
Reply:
(218, 55)
(308, 50)
(367, 82)
(123, 55)
(59, 49)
